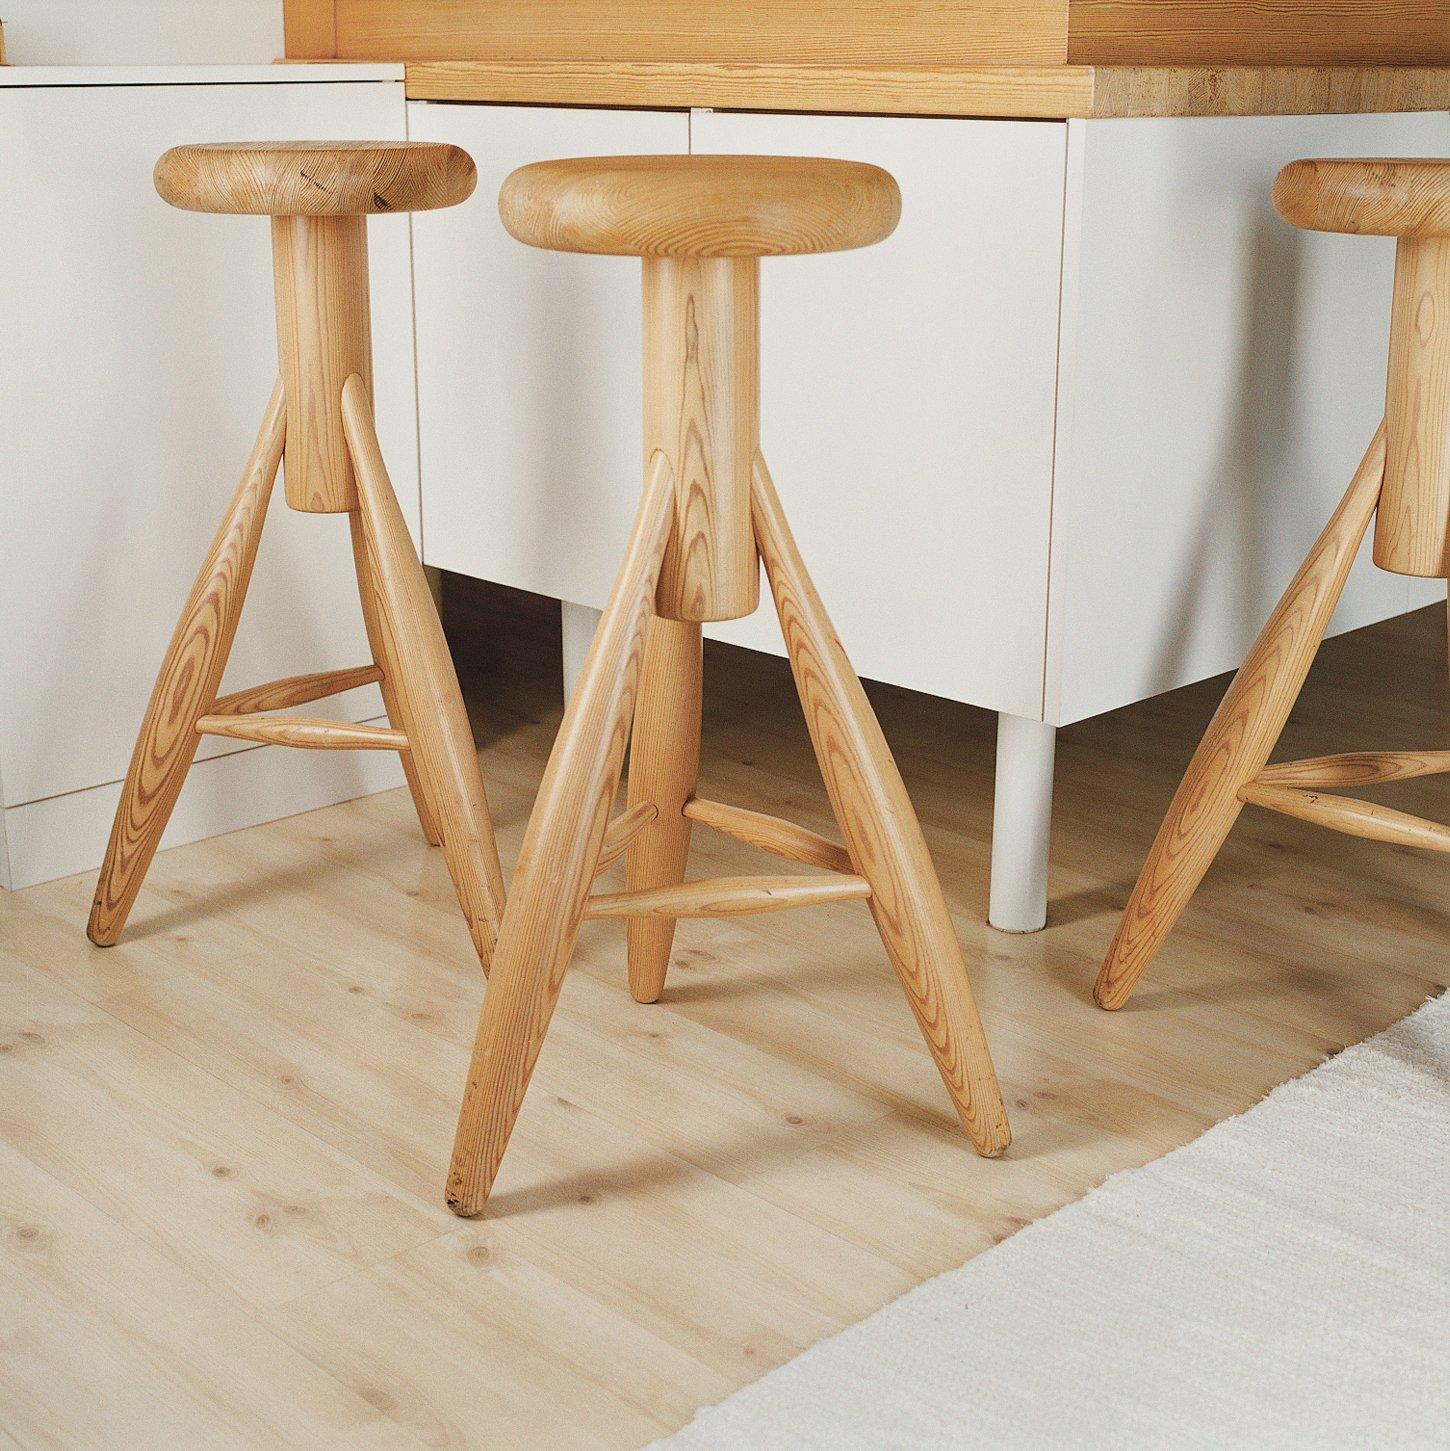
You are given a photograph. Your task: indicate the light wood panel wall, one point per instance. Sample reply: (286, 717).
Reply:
(878, 32)
(1259, 32)
(309, 29)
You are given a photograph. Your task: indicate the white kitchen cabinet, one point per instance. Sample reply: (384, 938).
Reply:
(529, 385)
(137, 350)
(1055, 446)
(1223, 374)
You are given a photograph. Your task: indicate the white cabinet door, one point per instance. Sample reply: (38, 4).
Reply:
(1223, 376)
(530, 400)
(908, 397)
(137, 350)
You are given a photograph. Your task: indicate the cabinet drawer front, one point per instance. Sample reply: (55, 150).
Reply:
(530, 399)
(908, 397)
(1225, 374)
(147, 353)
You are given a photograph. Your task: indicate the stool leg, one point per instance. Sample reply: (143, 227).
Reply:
(430, 705)
(558, 859)
(367, 594)
(1239, 739)
(664, 763)
(187, 685)
(882, 833)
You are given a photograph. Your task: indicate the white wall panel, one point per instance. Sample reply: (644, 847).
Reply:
(142, 32)
(530, 400)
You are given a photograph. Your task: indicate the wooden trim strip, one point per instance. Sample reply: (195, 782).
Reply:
(295, 690)
(1035, 92)
(1044, 92)
(729, 897)
(1354, 818)
(771, 834)
(303, 731)
(1125, 91)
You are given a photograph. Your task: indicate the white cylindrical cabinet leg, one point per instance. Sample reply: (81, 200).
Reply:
(579, 622)
(1021, 824)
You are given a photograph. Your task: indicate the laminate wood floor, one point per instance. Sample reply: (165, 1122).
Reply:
(222, 1143)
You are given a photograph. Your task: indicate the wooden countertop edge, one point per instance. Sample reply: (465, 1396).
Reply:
(1038, 92)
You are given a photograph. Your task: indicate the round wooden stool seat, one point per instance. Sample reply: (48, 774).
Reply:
(315, 178)
(1375, 198)
(700, 206)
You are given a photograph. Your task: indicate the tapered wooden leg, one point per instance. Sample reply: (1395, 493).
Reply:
(415, 660)
(367, 593)
(1239, 739)
(882, 833)
(186, 686)
(557, 863)
(664, 763)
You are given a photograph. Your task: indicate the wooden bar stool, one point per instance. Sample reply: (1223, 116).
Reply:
(1405, 481)
(319, 196)
(701, 224)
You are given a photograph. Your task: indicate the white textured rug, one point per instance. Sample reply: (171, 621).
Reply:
(1283, 1281)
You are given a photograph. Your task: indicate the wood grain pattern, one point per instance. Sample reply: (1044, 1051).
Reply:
(1343, 813)
(729, 897)
(702, 410)
(324, 336)
(1250, 32)
(1355, 768)
(315, 178)
(424, 686)
(1412, 529)
(1038, 92)
(770, 834)
(306, 732)
(295, 690)
(1239, 739)
(664, 764)
(707, 206)
(557, 861)
(1379, 197)
(187, 685)
(309, 29)
(621, 833)
(785, 30)
(882, 834)
(1043, 92)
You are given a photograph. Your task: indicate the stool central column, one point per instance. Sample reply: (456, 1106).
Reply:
(702, 411)
(1412, 532)
(324, 334)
